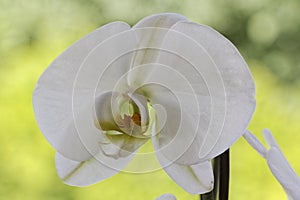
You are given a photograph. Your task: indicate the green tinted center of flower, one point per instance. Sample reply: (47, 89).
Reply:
(129, 119)
(123, 113)
(125, 120)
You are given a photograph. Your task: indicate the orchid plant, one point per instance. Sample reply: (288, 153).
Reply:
(179, 84)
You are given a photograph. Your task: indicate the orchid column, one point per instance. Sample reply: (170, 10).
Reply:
(180, 84)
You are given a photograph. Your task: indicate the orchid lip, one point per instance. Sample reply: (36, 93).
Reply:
(128, 115)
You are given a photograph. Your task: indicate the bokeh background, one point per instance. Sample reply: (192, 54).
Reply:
(33, 33)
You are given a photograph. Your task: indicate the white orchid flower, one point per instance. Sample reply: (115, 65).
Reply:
(277, 163)
(181, 84)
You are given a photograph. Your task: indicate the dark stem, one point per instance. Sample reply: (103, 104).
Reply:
(221, 176)
(224, 178)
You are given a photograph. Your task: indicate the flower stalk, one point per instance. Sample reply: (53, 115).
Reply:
(221, 168)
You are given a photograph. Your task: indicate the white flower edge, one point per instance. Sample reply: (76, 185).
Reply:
(195, 179)
(277, 163)
(232, 89)
(166, 197)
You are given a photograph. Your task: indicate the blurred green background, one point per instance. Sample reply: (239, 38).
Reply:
(33, 33)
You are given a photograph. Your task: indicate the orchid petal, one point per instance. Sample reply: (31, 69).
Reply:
(52, 97)
(166, 197)
(141, 103)
(92, 80)
(149, 33)
(121, 145)
(216, 70)
(195, 179)
(180, 128)
(88, 172)
(162, 20)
